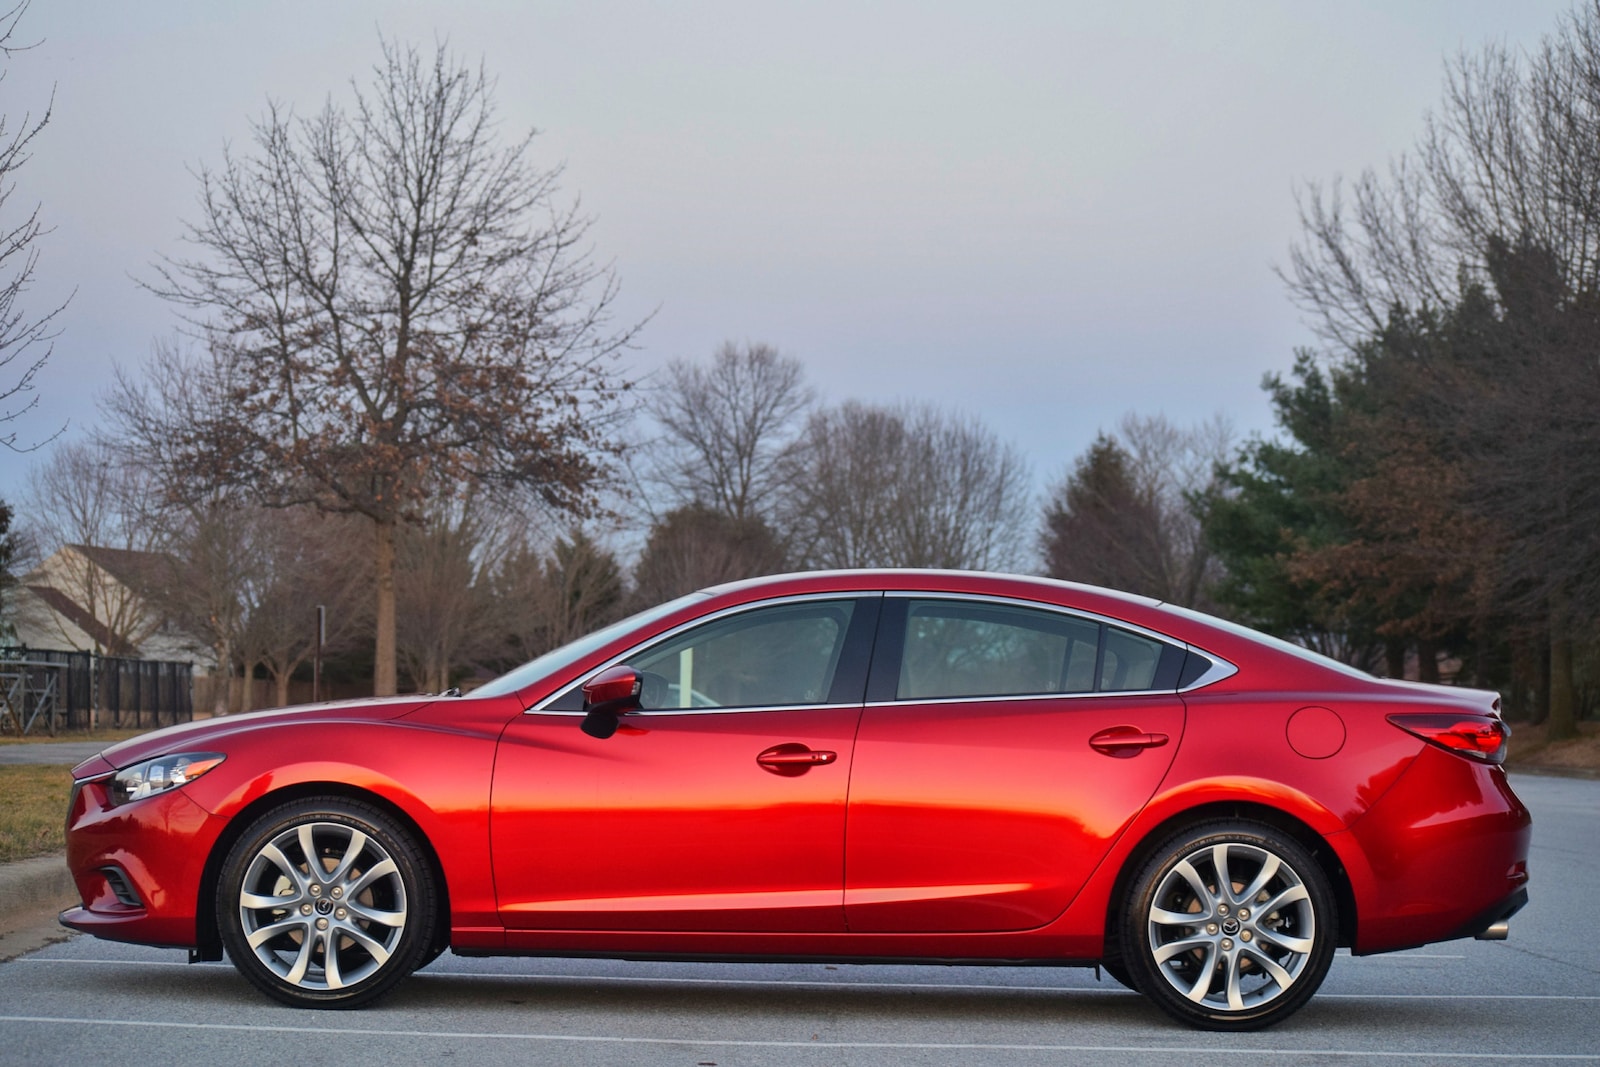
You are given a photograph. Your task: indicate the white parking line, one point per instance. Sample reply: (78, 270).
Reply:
(1111, 989)
(1401, 957)
(931, 1046)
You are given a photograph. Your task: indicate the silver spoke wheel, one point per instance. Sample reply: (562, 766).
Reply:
(323, 905)
(326, 903)
(1234, 925)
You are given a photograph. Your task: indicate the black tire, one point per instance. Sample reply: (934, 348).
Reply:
(1118, 970)
(1229, 926)
(338, 901)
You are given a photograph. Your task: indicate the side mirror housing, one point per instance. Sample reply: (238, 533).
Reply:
(606, 696)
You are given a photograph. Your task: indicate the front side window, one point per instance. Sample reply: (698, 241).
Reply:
(969, 649)
(784, 654)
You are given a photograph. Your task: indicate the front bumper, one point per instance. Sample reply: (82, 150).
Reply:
(138, 867)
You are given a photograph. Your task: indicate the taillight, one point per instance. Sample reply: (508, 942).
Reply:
(1476, 737)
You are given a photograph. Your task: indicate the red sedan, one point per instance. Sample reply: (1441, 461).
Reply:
(861, 766)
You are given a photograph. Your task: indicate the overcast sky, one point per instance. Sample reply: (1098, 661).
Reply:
(1041, 214)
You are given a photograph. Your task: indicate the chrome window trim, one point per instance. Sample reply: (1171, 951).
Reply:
(1219, 669)
(741, 709)
(992, 697)
(1013, 602)
(796, 598)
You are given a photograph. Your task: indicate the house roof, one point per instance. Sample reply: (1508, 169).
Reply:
(74, 613)
(137, 570)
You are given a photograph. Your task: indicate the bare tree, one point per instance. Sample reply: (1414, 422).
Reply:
(1512, 154)
(25, 340)
(1124, 516)
(726, 427)
(694, 546)
(905, 486)
(449, 615)
(84, 508)
(551, 598)
(1485, 244)
(8, 558)
(210, 553)
(398, 309)
(305, 559)
(1095, 521)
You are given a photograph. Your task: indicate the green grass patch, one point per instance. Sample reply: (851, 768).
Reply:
(33, 810)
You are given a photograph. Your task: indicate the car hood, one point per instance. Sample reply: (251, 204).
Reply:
(198, 736)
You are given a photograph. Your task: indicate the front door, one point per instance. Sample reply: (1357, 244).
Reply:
(719, 806)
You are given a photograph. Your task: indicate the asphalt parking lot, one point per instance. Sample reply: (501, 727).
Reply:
(1534, 998)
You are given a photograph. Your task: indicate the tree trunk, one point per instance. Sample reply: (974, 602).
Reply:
(224, 678)
(1562, 723)
(383, 654)
(1427, 660)
(1394, 657)
(1541, 682)
(438, 670)
(247, 688)
(1522, 693)
(282, 679)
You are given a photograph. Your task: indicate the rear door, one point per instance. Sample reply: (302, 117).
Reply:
(1003, 749)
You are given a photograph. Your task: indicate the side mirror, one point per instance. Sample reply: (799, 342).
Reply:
(606, 696)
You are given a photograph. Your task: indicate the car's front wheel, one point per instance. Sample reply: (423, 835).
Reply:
(1230, 926)
(326, 903)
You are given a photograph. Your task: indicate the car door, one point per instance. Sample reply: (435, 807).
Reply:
(1003, 749)
(719, 805)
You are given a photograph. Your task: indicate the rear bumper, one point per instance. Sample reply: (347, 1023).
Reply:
(1489, 925)
(1443, 855)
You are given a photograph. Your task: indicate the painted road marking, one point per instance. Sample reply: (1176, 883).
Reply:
(925, 1046)
(802, 983)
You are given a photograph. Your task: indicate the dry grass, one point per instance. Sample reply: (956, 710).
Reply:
(1530, 750)
(105, 736)
(33, 810)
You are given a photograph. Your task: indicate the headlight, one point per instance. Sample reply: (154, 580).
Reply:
(159, 775)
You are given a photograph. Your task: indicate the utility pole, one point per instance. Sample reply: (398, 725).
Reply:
(316, 660)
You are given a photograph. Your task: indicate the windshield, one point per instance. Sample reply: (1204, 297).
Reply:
(551, 662)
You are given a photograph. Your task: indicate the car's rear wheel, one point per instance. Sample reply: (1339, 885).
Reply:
(1229, 926)
(326, 903)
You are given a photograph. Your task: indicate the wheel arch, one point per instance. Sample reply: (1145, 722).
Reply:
(1313, 842)
(208, 934)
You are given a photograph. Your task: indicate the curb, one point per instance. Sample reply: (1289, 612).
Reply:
(29, 887)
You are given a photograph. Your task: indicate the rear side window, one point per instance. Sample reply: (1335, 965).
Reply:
(1129, 663)
(955, 648)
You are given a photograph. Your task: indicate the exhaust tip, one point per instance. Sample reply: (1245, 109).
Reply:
(1495, 932)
